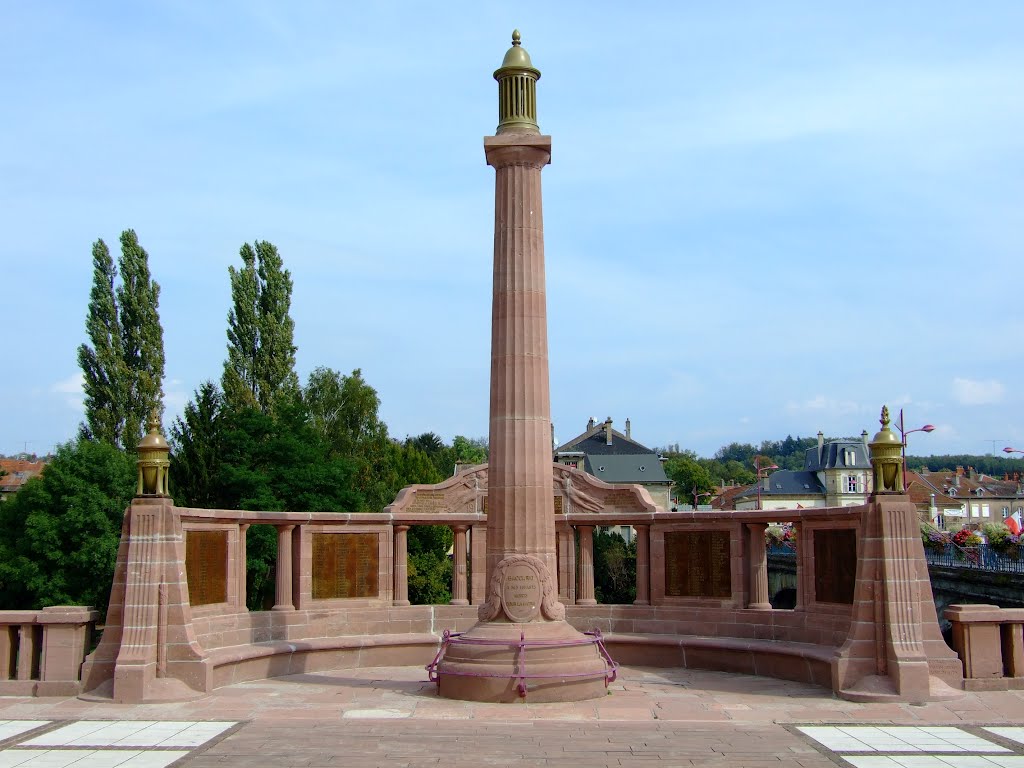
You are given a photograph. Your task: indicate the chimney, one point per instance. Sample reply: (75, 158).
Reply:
(821, 446)
(608, 431)
(627, 427)
(864, 439)
(590, 423)
(972, 473)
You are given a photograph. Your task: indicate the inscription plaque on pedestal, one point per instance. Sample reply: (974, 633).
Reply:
(206, 566)
(697, 564)
(835, 565)
(345, 565)
(520, 592)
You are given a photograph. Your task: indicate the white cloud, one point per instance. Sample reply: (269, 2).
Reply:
(971, 392)
(822, 403)
(71, 389)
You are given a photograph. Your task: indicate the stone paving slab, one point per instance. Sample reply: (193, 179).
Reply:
(393, 717)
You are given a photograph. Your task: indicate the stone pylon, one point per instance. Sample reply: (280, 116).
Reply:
(522, 645)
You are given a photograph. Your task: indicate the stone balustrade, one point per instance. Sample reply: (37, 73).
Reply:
(41, 652)
(178, 626)
(990, 642)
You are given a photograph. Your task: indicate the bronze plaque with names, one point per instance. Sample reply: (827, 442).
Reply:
(206, 566)
(835, 565)
(345, 565)
(558, 504)
(698, 564)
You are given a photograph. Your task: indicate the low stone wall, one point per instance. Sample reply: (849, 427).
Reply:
(177, 625)
(41, 652)
(990, 642)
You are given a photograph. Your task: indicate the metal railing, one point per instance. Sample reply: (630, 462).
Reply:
(981, 557)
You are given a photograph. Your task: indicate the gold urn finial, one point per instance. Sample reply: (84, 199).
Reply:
(153, 461)
(887, 458)
(517, 90)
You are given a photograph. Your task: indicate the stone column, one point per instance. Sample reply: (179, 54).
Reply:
(459, 593)
(566, 564)
(284, 601)
(478, 563)
(585, 586)
(26, 651)
(7, 648)
(757, 566)
(240, 570)
(801, 570)
(401, 564)
(520, 506)
(643, 565)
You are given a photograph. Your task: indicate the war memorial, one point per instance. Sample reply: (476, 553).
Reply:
(523, 626)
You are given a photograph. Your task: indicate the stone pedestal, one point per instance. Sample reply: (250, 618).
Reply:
(894, 651)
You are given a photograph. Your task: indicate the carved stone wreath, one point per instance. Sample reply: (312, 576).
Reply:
(549, 605)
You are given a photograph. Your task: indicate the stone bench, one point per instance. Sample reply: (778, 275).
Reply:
(801, 662)
(276, 658)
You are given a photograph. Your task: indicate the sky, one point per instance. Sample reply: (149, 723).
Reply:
(761, 219)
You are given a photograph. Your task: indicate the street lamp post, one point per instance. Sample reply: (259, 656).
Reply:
(903, 440)
(760, 473)
(697, 496)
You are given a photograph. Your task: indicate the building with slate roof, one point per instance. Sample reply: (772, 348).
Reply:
(835, 474)
(616, 457)
(954, 499)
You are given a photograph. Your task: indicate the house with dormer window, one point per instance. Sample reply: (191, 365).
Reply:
(835, 474)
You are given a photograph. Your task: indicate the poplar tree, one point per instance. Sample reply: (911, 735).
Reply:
(103, 373)
(123, 362)
(142, 337)
(260, 366)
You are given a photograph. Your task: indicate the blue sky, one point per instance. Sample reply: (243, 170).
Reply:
(761, 218)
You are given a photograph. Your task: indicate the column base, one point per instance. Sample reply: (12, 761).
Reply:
(505, 662)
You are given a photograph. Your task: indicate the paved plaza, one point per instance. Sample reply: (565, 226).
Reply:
(393, 717)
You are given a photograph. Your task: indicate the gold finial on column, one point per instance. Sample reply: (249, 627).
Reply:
(886, 458)
(517, 91)
(153, 460)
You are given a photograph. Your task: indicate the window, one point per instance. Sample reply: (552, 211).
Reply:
(1006, 512)
(952, 492)
(851, 484)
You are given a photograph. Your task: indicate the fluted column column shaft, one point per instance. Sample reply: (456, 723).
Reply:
(585, 586)
(643, 565)
(241, 566)
(757, 564)
(400, 566)
(520, 510)
(459, 591)
(284, 600)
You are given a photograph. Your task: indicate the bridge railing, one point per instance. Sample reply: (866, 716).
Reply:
(981, 557)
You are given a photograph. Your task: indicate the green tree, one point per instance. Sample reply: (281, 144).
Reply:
(689, 476)
(196, 443)
(104, 378)
(123, 363)
(142, 337)
(260, 367)
(614, 568)
(430, 569)
(59, 534)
